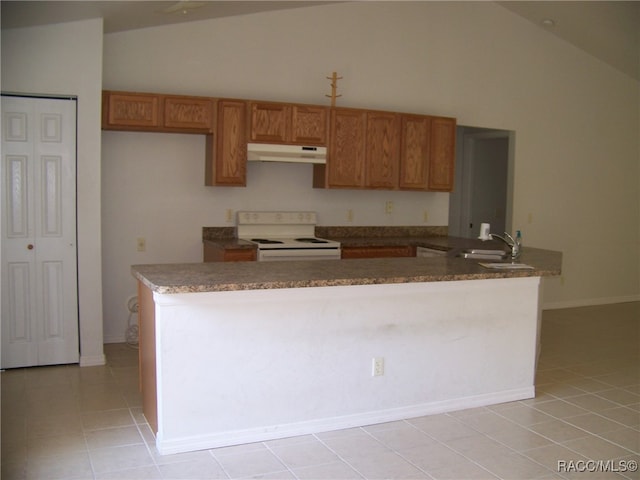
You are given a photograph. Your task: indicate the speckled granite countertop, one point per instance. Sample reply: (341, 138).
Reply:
(221, 276)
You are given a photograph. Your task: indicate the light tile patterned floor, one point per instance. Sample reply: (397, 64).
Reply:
(68, 422)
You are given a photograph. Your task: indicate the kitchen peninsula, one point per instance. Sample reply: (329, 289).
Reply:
(235, 353)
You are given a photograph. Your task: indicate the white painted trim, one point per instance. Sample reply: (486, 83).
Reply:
(92, 360)
(237, 437)
(115, 339)
(589, 302)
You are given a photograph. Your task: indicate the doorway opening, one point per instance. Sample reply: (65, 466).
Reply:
(484, 181)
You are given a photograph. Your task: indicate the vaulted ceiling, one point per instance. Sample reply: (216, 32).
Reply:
(608, 30)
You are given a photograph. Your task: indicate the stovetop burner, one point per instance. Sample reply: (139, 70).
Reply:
(290, 234)
(265, 241)
(311, 240)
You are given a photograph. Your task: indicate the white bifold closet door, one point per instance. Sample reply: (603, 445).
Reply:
(39, 260)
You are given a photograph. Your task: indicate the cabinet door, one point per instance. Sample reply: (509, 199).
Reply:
(414, 152)
(378, 252)
(345, 162)
(383, 130)
(270, 122)
(442, 157)
(188, 113)
(309, 125)
(136, 111)
(227, 149)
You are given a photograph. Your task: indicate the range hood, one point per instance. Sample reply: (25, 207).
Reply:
(267, 152)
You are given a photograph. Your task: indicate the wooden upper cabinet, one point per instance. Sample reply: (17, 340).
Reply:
(346, 153)
(226, 162)
(414, 152)
(188, 113)
(288, 123)
(309, 125)
(131, 111)
(365, 148)
(156, 113)
(382, 150)
(442, 155)
(270, 122)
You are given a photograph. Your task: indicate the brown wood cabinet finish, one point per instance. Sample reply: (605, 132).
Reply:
(346, 155)
(150, 112)
(147, 355)
(442, 155)
(226, 162)
(270, 122)
(215, 253)
(130, 111)
(309, 125)
(382, 150)
(288, 123)
(414, 152)
(188, 113)
(367, 149)
(378, 251)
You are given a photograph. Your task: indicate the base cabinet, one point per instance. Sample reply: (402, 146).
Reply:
(216, 253)
(378, 251)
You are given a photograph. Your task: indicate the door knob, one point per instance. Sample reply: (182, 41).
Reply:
(30, 246)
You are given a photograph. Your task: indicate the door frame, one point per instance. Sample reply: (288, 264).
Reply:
(460, 200)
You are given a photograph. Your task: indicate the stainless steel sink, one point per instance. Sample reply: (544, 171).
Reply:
(480, 254)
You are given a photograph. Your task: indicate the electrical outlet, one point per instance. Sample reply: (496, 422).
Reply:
(377, 367)
(349, 215)
(141, 244)
(425, 216)
(530, 218)
(229, 215)
(388, 206)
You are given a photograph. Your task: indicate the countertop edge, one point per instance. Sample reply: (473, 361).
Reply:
(163, 284)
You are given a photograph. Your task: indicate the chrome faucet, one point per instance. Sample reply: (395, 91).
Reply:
(514, 245)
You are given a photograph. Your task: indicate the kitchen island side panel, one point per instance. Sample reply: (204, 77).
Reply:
(147, 354)
(245, 366)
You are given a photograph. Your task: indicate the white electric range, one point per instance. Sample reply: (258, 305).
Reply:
(285, 236)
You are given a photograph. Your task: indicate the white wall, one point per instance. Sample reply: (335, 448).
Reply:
(67, 60)
(576, 122)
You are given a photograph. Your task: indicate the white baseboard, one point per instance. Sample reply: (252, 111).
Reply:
(115, 339)
(92, 360)
(261, 434)
(589, 302)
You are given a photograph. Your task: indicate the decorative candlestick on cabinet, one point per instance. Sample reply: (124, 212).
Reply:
(334, 87)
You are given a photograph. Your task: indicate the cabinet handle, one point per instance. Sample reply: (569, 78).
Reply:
(30, 246)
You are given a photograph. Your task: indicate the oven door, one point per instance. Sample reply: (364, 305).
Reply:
(284, 254)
